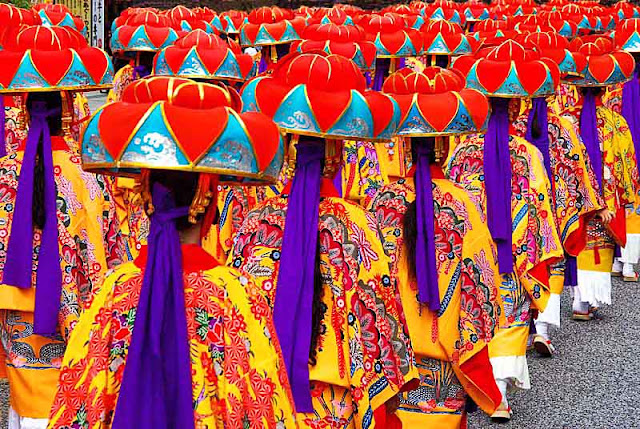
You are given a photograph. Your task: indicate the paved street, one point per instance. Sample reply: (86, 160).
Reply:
(593, 382)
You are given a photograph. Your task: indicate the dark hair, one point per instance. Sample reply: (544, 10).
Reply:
(52, 100)
(595, 90)
(318, 309)
(183, 187)
(536, 132)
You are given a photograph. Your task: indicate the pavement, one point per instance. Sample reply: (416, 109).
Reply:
(96, 99)
(593, 382)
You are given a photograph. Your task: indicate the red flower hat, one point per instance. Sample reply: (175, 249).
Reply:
(322, 95)
(43, 58)
(204, 56)
(346, 40)
(59, 15)
(445, 38)
(627, 35)
(391, 36)
(552, 45)
(178, 124)
(606, 65)
(434, 102)
(509, 70)
(268, 26)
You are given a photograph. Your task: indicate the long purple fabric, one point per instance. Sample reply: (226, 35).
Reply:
(292, 314)
(140, 72)
(631, 109)
(382, 69)
(571, 271)
(538, 114)
(262, 67)
(156, 387)
(3, 146)
(426, 268)
(589, 133)
(18, 264)
(497, 178)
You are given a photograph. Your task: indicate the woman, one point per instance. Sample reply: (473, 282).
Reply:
(495, 165)
(442, 256)
(174, 313)
(50, 205)
(336, 310)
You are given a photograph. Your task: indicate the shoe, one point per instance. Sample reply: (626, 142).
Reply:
(543, 346)
(582, 317)
(595, 314)
(616, 274)
(633, 278)
(502, 414)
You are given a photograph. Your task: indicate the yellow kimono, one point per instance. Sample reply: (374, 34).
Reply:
(237, 372)
(363, 356)
(451, 346)
(90, 244)
(631, 251)
(536, 245)
(122, 78)
(619, 188)
(15, 131)
(234, 202)
(131, 215)
(576, 193)
(364, 170)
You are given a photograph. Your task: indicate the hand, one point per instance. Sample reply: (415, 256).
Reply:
(605, 215)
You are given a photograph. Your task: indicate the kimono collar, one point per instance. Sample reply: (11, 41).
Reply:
(436, 172)
(194, 258)
(57, 143)
(327, 189)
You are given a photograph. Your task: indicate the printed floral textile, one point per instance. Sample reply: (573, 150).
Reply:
(362, 343)
(237, 374)
(470, 305)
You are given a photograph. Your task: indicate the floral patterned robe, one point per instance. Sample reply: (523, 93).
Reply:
(364, 357)
(620, 186)
(576, 193)
(90, 244)
(237, 371)
(450, 345)
(613, 100)
(363, 173)
(536, 244)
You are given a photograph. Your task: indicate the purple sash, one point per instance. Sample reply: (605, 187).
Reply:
(19, 263)
(631, 109)
(156, 389)
(539, 113)
(589, 133)
(497, 178)
(382, 69)
(292, 313)
(426, 268)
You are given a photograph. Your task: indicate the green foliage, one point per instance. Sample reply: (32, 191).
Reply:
(25, 4)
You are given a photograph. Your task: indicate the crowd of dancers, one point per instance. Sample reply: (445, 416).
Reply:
(311, 218)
